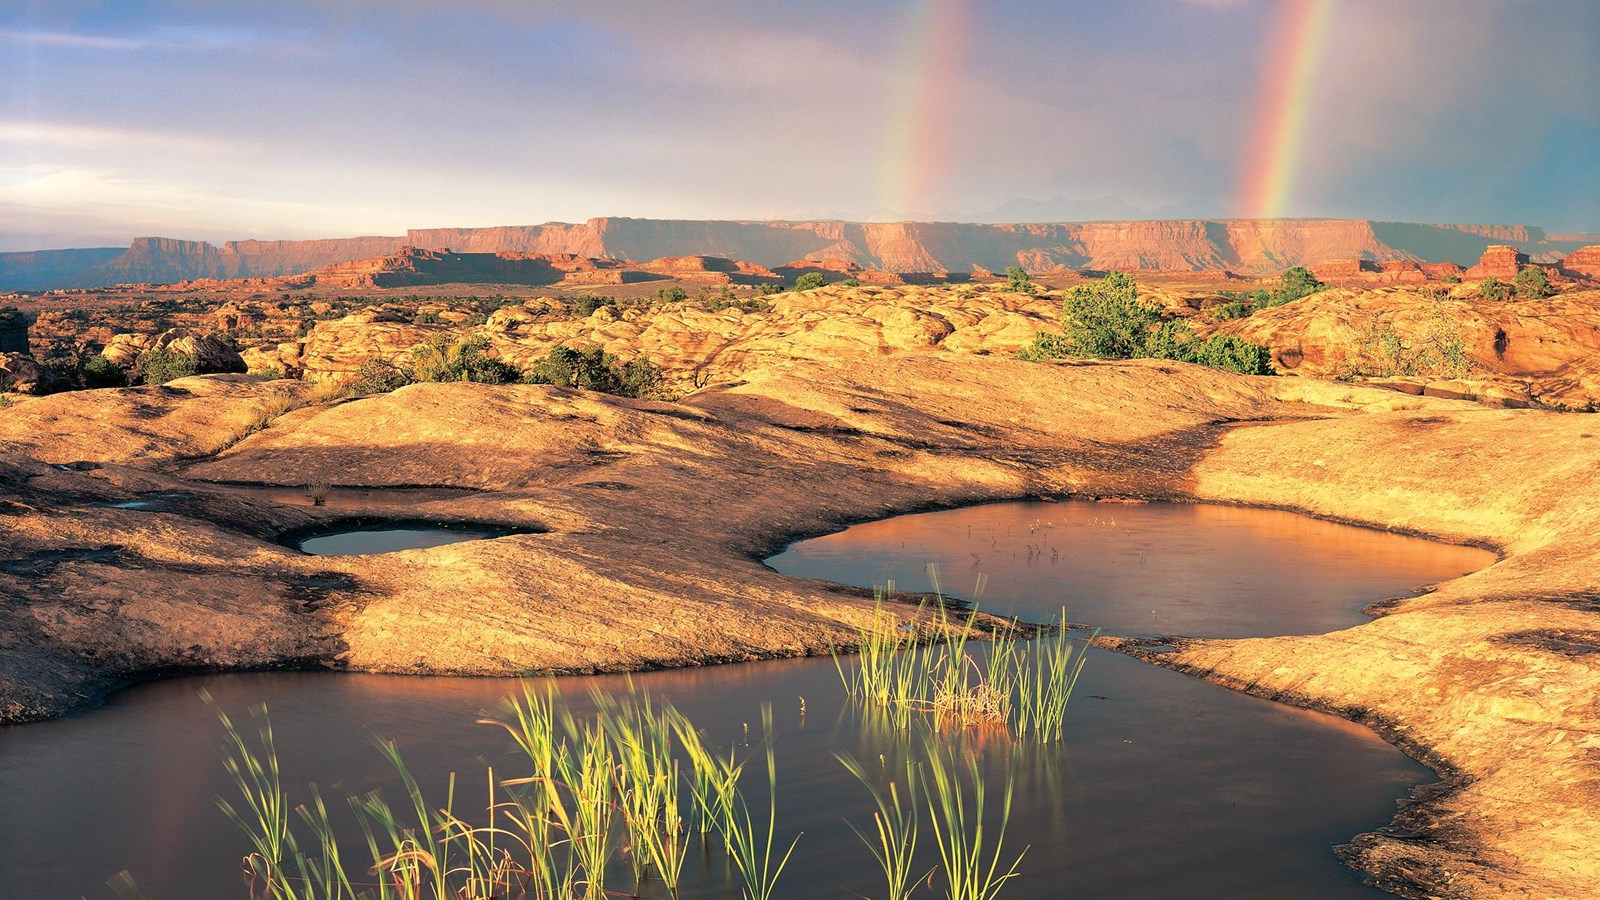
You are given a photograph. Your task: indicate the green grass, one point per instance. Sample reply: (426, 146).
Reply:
(1022, 686)
(623, 790)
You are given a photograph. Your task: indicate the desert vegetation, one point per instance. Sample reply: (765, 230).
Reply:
(1377, 349)
(610, 802)
(1107, 320)
(1293, 284)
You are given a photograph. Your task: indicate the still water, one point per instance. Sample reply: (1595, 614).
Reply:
(1165, 786)
(1140, 569)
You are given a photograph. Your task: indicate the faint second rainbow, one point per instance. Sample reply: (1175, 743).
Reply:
(1273, 155)
(922, 97)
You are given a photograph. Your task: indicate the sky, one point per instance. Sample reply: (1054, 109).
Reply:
(216, 120)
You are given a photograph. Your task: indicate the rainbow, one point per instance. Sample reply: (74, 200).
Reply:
(1273, 158)
(921, 101)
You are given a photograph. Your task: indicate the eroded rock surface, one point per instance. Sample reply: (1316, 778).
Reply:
(658, 514)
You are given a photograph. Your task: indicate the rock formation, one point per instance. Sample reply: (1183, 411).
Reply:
(212, 354)
(1500, 261)
(19, 374)
(1255, 246)
(1513, 353)
(13, 331)
(1583, 262)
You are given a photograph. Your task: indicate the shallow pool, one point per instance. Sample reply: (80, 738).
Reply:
(1165, 786)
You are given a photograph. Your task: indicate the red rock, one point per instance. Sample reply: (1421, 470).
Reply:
(1583, 262)
(1499, 261)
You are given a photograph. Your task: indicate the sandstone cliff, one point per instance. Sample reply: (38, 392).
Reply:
(1251, 246)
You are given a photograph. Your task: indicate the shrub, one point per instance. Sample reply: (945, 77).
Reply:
(1108, 320)
(1493, 289)
(376, 376)
(1532, 284)
(1452, 279)
(1234, 354)
(593, 369)
(1017, 280)
(584, 305)
(1297, 282)
(161, 366)
(810, 281)
(99, 372)
(1379, 350)
(463, 359)
(768, 289)
(1233, 309)
(672, 294)
(851, 282)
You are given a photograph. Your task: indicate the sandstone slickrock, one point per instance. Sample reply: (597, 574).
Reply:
(1531, 348)
(19, 373)
(212, 354)
(658, 515)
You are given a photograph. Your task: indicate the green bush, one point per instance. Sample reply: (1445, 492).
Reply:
(810, 281)
(1233, 309)
(162, 365)
(584, 305)
(672, 294)
(1108, 320)
(1234, 354)
(767, 289)
(1494, 289)
(593, 369)
(99, 372)
(1532, 284)
(1452, 279)
(1295, 283)
(1017, 280)
(463, 359)
(851, 282)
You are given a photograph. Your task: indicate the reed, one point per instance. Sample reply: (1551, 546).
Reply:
(971, 854)
(896, 822)
(750, 845)
(1046, 671)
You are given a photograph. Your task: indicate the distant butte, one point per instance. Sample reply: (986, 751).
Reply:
(1244, 246)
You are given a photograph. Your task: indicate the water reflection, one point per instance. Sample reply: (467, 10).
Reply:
(1159, 568)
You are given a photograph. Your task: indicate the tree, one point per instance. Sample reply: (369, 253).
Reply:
(1107, 319)
(810, 281)
(1532, 284)
(1493, 289)
(1017, 280)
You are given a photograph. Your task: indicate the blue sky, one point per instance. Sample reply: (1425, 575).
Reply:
(217, 120)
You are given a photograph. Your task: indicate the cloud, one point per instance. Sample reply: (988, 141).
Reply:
(65, 135)
(182, 37)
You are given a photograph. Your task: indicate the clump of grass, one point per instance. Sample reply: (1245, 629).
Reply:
(752, 846)
(1022, 686)
(318, 492)
(896, 822)
(956, 794)
(1045, 671)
